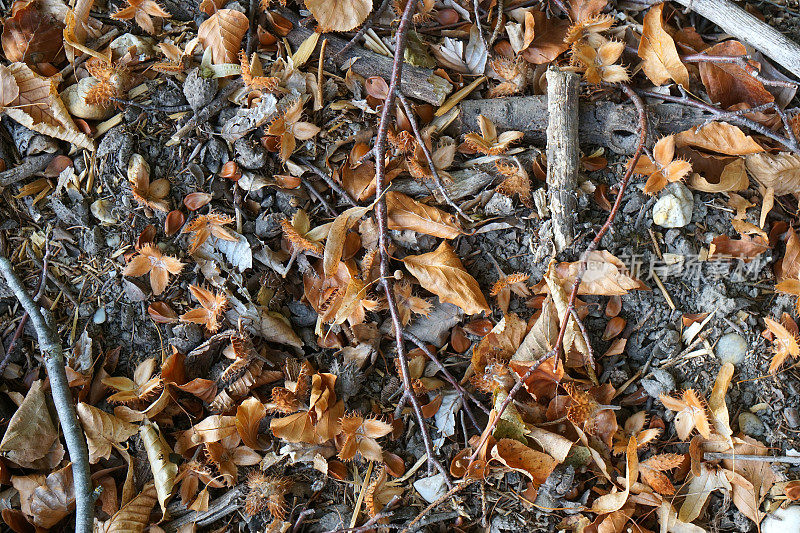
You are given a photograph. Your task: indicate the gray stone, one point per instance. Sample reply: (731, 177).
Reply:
(500, 205)
(731, 348)
(792, 417)
(199, 91)
(674, 208)
(750, 424)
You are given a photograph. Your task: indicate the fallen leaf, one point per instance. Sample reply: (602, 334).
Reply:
(535, 465)
(719, 137)
(339, 15)
(31, 438)
(728, 83)
(223, 32)
(405, 213)
(334, 244)
(142, 11)
(249, 414)
(548, 42)
(32, 34)
(442, 273)
(103, 431)
(733, 176)
(699, 489)
(759, 473)
(608, 503)
(661, 61)
(716, 402)
(605, 275)
(135, 515)
(780, 171)
(164, 470)
(745, 248)
(46, 500)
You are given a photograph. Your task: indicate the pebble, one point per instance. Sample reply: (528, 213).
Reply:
(782, 520)
(792, 417)
(674, 208)
(731, 348)
(99, 316)
(750, 424)
(199, 91)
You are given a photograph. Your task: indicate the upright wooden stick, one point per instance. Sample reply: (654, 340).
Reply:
(563, 153)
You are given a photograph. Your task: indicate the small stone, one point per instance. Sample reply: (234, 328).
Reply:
(199, 91)
(99, 316)
(792, 417)
(750, 424)
(249, 154)
(782, 520)
(731, 348)
(674, 208)
(431, 488)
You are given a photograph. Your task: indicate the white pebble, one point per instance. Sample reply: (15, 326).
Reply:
(731, 348)
(674, 208)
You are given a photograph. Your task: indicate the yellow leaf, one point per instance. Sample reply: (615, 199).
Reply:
(334, 244)
(164, 470)
(719, 137)
(442, 273)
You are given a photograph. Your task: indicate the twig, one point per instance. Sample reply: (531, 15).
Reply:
(364, 27)
(315, 193)
(792, 460)
(24, 319)
(152, 109)
(341, 191)
(301, 518)
(429, 157)
(449, 377)
(629, 92)
(53, 356)
(57, 282)
(370, 524)
(741, 62)
(444, 497)
(383, 238)
(30, 166)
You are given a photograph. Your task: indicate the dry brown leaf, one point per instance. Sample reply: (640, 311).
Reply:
(552, 443)
(38, 107)
(745, 248)
(339, 15)
(334, 244)
(223, 33)
(211, 429)
(164, 470)
(442, 273)
(780, 171)
(657, 49)
(759, 473)
(31, 438)
(719, 137)
(548, 41)
(33, 33)
(103, 431)
(535, 465)
(249, 414)
(574, 341)
(608, 503)
(46, 500)
(605, 275)
(729, 84)
(732, 178)
(405, 213)
(135, 515)
(716, 402)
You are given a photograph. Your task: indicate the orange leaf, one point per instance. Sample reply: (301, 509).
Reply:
(223, 33)
(661, 60)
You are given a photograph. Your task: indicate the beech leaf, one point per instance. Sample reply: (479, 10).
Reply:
(719, 137)
(334, 244)
(608, 503)
(780, 171)
(405, 213)
(223, 33)
(31, 434)
(135, 515)
(46, 500)
(535, 465)
(657, 48)
(442, 273)
(339, 15)
(103, 431)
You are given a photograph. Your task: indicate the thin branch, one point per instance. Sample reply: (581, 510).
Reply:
(742, 62)
(383, 237)
(53, 356)
(370, 524)
(792, 460)
(629, 92)
(332, 183)
(429, 157)
(364, 27)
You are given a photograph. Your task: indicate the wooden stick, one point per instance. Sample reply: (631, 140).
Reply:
(604, 123)
(563, 153)
(53, 355)
(419, 83)
(792, 460)
(744, 26)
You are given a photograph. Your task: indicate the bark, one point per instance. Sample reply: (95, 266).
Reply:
(563, 154)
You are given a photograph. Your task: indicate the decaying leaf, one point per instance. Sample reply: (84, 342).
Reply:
(31, 438)
(339, 15)
(405, 213)
(537, 466)
(46, 500)
(661, 62)
(442, 273)
(164, 470)
(103, 431)
(728, 83)
(608, 503)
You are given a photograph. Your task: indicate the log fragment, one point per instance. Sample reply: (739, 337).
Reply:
(419, 83)
(563, 153)
(608, 124)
